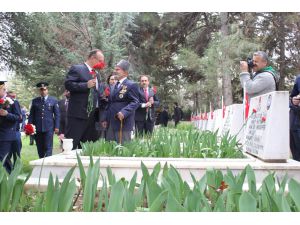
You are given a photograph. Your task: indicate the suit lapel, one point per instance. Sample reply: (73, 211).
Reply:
(117, 89)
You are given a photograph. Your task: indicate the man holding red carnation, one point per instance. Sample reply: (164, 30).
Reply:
(145, 113)
(84, 85)
(44, 114)
(9, 117)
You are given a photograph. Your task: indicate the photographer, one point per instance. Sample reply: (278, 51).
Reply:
(264, 77)
(295, 120)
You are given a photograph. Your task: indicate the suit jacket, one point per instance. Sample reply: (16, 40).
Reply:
(76, 83)
(45, 116)
(141, 114)
(123, 99)
(63, 116)
(164, 117)
(8, 123)
(177, 114)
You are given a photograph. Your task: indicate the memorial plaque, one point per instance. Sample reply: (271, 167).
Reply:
(267, 128)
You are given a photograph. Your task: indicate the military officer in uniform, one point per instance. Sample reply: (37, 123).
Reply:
(9, 117)
(44, 114)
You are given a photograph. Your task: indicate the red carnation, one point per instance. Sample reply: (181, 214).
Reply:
(99, 65)
(29, 129)
(2, 101)
(107, 91)
(264, 119)
(254, 110)
(93, 73)
(154, 89)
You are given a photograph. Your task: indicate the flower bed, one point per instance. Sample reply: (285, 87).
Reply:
(176, 143)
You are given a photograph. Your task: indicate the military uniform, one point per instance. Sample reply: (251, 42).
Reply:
(8, 133)
(44, 114)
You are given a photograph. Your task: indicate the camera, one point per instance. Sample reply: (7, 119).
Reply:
(250, 63)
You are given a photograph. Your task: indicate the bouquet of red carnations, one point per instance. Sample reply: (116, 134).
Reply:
(29, 129)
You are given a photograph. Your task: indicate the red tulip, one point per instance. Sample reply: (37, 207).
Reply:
(223, 186)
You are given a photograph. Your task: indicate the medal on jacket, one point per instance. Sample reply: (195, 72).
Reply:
(123, 91)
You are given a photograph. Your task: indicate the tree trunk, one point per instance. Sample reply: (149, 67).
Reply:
(281, 60)
(226, 78)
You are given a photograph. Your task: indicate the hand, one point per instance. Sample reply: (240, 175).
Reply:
(61, 137)
(104, 124)
(296, 100)
(151, 100)
(148, 104)
(91, 83)
(3, 112)
(56, 130)
(244, 66)
(120, 116)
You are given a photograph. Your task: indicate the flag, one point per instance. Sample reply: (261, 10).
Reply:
(246, 104)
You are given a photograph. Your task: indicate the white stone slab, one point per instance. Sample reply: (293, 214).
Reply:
(219, 121)
(125, 167)
(269, 139)
(234, 121)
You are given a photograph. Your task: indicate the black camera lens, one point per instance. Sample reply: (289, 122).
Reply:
(250, 63)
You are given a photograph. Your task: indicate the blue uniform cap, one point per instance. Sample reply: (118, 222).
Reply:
(42, 85)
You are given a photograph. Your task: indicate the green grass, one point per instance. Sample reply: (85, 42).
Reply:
(29, 152)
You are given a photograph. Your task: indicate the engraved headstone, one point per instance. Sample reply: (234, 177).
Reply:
(267, 128)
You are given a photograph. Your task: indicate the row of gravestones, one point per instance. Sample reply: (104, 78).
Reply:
(264, 134)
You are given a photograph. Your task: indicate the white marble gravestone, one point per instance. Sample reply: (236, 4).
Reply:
(210, 122)
(267, 129)
(233, 122)
(219, 121)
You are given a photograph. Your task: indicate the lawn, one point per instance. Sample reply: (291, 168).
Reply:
(29, 152)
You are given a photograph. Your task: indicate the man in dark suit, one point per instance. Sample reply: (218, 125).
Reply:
(9, 118)
(83, 83)
(44, 114)
(164, 117)
(63, 106)
(178, 114)
(122, 104)
(145, 113)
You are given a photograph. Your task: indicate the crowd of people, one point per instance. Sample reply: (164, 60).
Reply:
(92, 109)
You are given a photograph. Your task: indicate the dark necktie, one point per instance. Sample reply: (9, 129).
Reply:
(116, 87)
(43, 100)
(66, 104)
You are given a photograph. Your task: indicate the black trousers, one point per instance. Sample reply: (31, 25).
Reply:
(82, 130)
(44, 143)
(5, 153)
(295, 143)
(144, 127)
